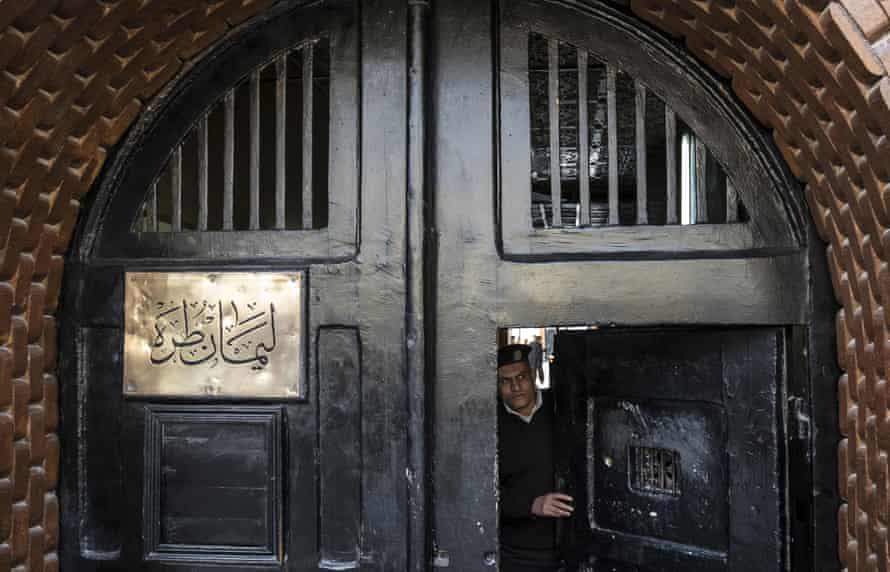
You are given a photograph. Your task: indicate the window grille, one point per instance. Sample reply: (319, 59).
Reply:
(644, 166)
(257, 159)
(654, 470)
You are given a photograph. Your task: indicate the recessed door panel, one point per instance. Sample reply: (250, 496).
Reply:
(213, 483)
(659, 470)
(670, 445)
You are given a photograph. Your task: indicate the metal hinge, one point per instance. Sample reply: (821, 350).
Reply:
(798, 418)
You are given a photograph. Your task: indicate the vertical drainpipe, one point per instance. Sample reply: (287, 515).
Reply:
(415, 363)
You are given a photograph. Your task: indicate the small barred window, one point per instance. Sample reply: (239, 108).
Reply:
(257, 159)
(654, 470)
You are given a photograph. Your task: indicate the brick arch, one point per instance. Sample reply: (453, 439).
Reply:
(74, 75)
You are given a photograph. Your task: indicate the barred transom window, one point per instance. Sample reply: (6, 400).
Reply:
(644, 165)
(257, 159)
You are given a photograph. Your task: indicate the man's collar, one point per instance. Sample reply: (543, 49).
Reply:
(528, 419)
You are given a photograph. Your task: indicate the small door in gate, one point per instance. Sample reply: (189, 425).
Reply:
(669, 442)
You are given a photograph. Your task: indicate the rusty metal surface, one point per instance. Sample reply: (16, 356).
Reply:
(228, 334)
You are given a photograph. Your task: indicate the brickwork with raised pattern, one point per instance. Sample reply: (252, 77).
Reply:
(74, 74)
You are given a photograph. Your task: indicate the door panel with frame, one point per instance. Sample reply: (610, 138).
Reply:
(488, 267)
(222, 482)
(671, 442)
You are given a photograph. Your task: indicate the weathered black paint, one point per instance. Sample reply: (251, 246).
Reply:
(418, 195)
(339, 446)
(352, 438)
(100, 451)
(710, 396)
(165, 125)
(814, 474)
(212, 483)
(409, 303)
(706, 106)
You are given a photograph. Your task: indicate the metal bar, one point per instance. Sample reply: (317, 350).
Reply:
(229, 162)
(255, 150)
(670, 138)
(280, 141)
(592, 448)
(612, 107)
(701, 182)
(659, 464)
(638, 466)
(687, 179)
(640, 140)
(553, 108)
(308, 75)
(732, 202)
(420, 250)
(202, 173)
(583, 142)
(176, 189)
(152, 214)
(543, 212)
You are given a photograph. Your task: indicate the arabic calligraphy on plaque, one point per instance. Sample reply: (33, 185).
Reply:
(193, 332)
(225, 334)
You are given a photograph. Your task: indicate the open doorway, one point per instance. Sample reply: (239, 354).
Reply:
(545, 336)
(666, 442)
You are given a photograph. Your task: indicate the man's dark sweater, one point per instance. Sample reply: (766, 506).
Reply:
(525, 466)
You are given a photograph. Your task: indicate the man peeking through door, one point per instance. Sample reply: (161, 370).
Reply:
(530, 505)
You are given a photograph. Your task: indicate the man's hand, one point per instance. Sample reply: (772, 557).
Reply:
(555, 505)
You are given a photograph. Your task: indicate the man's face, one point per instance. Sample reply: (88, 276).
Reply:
(516, 387)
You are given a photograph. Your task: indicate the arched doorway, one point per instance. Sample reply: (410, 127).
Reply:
(482, 275)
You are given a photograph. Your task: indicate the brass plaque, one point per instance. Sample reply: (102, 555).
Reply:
(226, 334)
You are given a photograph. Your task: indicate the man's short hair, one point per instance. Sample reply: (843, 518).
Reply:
(513, 353)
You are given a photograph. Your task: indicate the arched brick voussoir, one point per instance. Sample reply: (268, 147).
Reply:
(719, 33)
(846, 235)
(77, 19)
(34, 312)
(874, 264)
(15, 11)
(30, 90)
(65, 228)
(20, 121)
(751, 92)
(50, 403)
(820, 212)
(768, 65)
(872, 403)
(845, 35)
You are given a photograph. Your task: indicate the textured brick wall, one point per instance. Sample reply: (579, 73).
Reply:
(816, 73)
(74, 74)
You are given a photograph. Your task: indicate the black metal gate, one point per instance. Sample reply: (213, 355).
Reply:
(419, 168)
